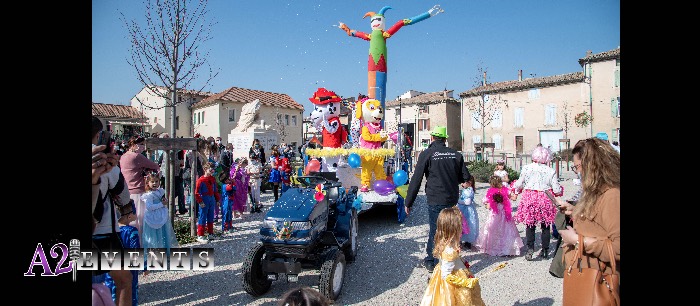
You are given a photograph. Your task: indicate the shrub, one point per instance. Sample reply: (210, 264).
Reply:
(483, 170)
(182, 231)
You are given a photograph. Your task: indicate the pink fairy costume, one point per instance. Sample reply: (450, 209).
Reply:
(499, 236)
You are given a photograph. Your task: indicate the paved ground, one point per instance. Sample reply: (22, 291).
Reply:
(387, 270)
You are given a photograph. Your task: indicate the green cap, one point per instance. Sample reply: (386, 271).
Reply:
(439, 131)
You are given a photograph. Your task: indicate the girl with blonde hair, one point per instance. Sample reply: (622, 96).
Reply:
(451, 283)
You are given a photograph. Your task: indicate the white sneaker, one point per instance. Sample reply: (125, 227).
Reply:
(202, 239)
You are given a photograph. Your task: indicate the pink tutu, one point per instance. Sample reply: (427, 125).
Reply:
(535, 208)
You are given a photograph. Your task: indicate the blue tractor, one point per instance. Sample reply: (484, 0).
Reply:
(299, 232)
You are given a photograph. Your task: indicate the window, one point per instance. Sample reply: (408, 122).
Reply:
(424, 124)
(617, 78)
(286, 119)
(550, 114)
(231, 115)
(533, 94)
(194, 118)
(177, 122)
(615, 107)
(202, 121)
(475, 120)
(294, 120)
(476, 139)
(518, 117)
(155, 119)
(497, 119)
(498, 141)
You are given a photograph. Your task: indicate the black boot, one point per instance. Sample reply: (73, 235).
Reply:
(544, 253)
(528, 255)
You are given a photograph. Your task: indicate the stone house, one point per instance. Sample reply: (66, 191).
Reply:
(526, 112)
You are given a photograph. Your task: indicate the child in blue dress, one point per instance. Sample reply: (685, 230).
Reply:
(470, 221)
(157, 231)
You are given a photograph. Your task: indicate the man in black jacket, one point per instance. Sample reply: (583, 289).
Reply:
(444, 169)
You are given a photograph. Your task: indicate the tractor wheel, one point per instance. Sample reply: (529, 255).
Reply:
(255, 282)
(350, 248)
(332, 273)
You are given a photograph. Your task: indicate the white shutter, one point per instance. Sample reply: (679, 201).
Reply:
(497, 119)
(475, 120)
(518, 120)
(498, 141)
(550, 114)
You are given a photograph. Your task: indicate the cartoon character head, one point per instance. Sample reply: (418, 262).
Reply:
(369, 110)
(326, 106)
(377, 20)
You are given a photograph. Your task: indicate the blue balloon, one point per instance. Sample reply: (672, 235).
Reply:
(354, 160)
(400, 177)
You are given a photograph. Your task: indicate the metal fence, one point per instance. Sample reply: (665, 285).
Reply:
(515, 161)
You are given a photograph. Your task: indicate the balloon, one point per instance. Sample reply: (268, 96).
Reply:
(403, 190)
(390, 179)
(354, 160)
(400, 177)
(383, 187)
(313, 166)
(319, 196)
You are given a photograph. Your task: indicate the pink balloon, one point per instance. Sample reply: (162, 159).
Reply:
(319, 196)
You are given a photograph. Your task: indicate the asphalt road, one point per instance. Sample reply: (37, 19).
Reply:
(387, 270)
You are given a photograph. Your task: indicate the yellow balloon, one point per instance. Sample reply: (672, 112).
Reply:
(403, 189)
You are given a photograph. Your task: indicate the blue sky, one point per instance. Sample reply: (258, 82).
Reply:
(294, 47)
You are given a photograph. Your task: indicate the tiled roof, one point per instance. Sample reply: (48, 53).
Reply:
(115, 111)
(516, 85)
(243, 95)
(427, 98)
(599, 57)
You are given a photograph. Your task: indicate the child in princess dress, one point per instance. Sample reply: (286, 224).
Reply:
(157, 231)
(470, 222)
(499, 236)
(451, 283)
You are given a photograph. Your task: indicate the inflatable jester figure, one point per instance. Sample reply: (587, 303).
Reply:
(377, 63)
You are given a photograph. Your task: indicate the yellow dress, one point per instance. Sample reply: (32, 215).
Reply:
(456, 289)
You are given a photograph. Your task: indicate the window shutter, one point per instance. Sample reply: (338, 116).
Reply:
(617, 78)
(613, 107)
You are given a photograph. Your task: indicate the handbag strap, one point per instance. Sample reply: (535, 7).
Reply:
(579, 255)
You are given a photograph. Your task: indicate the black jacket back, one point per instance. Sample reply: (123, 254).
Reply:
(444, 169)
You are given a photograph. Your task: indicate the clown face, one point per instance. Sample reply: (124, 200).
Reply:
(377, 22)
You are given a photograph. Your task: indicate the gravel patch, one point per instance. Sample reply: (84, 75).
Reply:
(387, 270)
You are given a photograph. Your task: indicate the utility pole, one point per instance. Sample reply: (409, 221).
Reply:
(590, 93)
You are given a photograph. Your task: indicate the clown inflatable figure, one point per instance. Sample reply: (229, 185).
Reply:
(326, 115)
(371, 137)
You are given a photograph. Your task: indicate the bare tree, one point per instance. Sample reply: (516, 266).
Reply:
(487, 107)
(166, 50)
(166, 54)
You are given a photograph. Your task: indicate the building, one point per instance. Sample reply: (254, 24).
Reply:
(524, 112)
(218, 114)
(421, 112)
(123, 121)
(151, 102)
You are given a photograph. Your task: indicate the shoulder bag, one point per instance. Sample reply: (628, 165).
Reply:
(589, 286)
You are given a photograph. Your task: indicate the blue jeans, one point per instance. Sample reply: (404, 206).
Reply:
(433, 212)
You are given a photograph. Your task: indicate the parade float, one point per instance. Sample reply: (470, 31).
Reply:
(363, 162)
